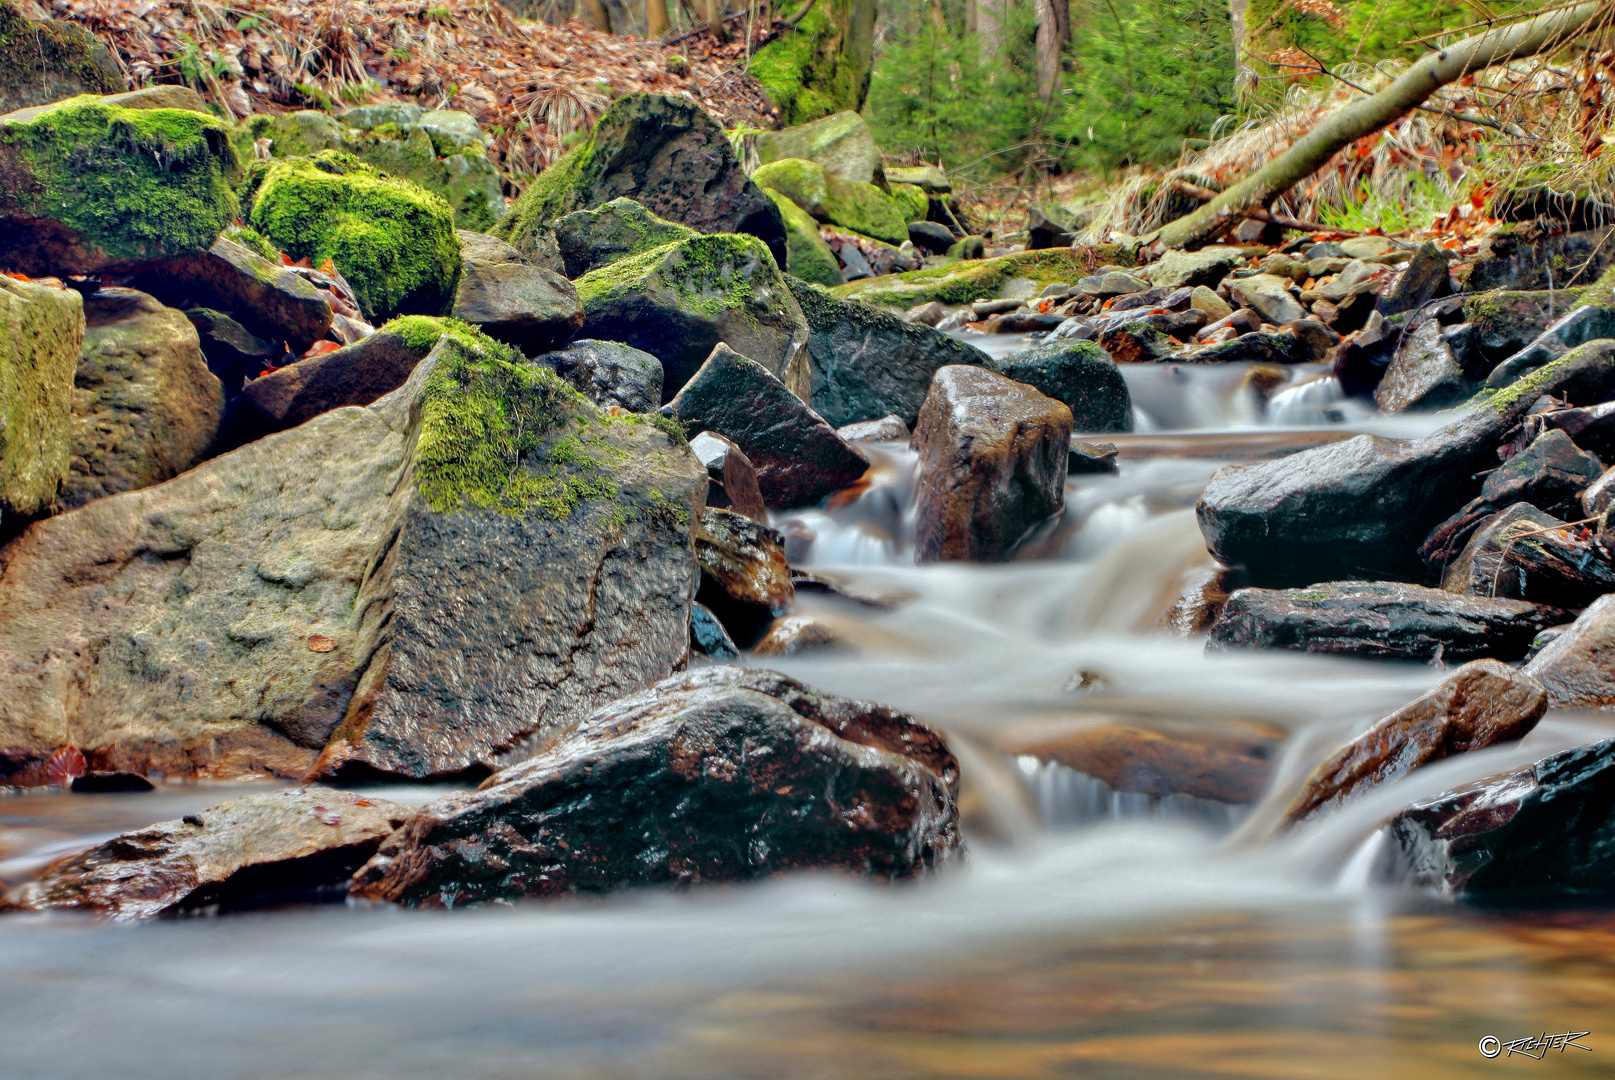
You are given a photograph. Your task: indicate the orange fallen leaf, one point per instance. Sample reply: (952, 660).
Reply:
(321, 348)
(321, 643)
(328, 267)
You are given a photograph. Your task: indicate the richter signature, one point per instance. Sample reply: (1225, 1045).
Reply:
(1533, 1046)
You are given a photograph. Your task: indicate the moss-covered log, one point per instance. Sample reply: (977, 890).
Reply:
(822, 66)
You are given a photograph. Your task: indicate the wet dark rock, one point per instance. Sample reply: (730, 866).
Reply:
(1509, 259)
(1423, 374)
(1201, 600)
(1283, 348)
(722, 774)
(1481, 704)
(234, 353)
(1152, 299)
(1423, 279)
(279, 847)
(1024, 322)
(1589, 322)
(590, 239)
(1202, 765)
(269, 300)
(854, 267)
(1478, 570)
(1357, 508)
(799, 458)
(1382, 620)
(731, 477)
(992, 464)
(1047, 227)
(1600, 495)
(1545, 833)
(1578, 666)
(930, 237)
(295, 394)
(1506, 322)
(1550, 474)
(1138, 342)
(1318, 342)
(1362, 358)
(1090, 458)
(865, 362)
(1082, 376)
(505, 296)
(708, 636)
(609, 373)
(889, 428)
(145, 405)
(745, 580)
(1560, 565)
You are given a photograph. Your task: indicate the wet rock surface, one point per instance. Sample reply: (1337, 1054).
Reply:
(719, 775)
(745, 580)
(1150, 762)
(270, 300)
(1479, 570)
(511, 300)
(1385, 620)
(590, 239)
(145, 405)
(992, 463)
(1080, 375)
(279, 847)
(1424, 374)
(1578, 666)
(1543, 833)
(798, 457)
(731, 477)
(609, 373)
(1479, 705)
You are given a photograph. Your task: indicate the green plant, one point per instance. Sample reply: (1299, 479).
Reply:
(1418, 202)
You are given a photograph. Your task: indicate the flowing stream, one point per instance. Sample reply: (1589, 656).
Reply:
(1090, 932)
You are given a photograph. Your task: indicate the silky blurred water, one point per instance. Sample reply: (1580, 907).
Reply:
(1089, 933)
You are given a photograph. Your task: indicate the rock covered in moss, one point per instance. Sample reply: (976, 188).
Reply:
(799, 458)
(808, 257)
(822, 65)
(393, 240)
(443, 151)
(41, 332)
(914, 203)
(92, 186)
(590, 239)
(609, 373)
(46, 60)
(865, 363)
(842, 144)
(861, 207)
(1082, 375)
(663, 152)
(278, 846)
(511, 300)
(469, 561)
(723, 774)
(679, 300)
(145, 405)
(962, 283)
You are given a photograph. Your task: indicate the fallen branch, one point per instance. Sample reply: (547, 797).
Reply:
(1348, 124)
(1195, 191)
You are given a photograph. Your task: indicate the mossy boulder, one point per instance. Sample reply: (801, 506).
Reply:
(392, 239)
(823, 64)
(807, 256)
(679, 300)
(1080, 374)
(590, 239)
(861, 207)
(443, 151)
(981, 279)
(41, 332)
(666, 154)
(912, 200)
(841, 143)
(88, 186)
(45, 60)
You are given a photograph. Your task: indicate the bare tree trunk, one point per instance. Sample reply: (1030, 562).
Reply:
(990, 27)
(656, 21)
(715, 13)
(1048, 51)
(599, 16)
(1351, 122)
(1062, 19)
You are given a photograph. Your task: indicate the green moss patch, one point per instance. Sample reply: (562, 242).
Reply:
(135, 184)
(41, 331)
(393, 240)
(912, 201)
(51, 59)
(807, 256)
(963, 282)
(861, 207)
(701, 271)
(817, 68)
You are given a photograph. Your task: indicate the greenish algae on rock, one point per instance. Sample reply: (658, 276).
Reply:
(858, 206)
(49, 60)
(87, 186)
(963, 282)
(807, 256)
(823, 64)
(41, 333)
(393, 240)
(590, 239)
(842, 143)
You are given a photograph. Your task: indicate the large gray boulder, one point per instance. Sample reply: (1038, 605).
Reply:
(609, 373)
(842, 143)
(505, 296)
(145, 405)
(434, 577)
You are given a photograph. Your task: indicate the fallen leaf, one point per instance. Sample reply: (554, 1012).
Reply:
(321, 643)
(327, 817)
(320, 348)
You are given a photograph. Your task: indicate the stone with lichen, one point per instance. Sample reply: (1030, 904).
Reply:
(41, 331)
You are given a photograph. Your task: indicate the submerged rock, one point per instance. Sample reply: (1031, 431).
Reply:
(41, 335)
(678, 301)
(1542, 833)
(889, 428)
(1384, 620)
(1148, 762)
(718, 775)
(609, 373)
(1082, 376)
(284, 846)
(145, 405)
(798, 457)
(992, 464)
(865, 363)
(1479, 705)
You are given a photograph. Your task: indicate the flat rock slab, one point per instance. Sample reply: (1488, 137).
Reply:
(1541, 834)
(993, 455)
(1383, 620)
(723, 774)
(283, 845)
(798, 457)
(1479, 705)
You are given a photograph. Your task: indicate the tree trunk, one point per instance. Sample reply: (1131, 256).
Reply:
(715, 13)
(599, 15)
(1048, 52)
(1062, 19)
(1351, 122)
(656, 21)
(990, 29)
